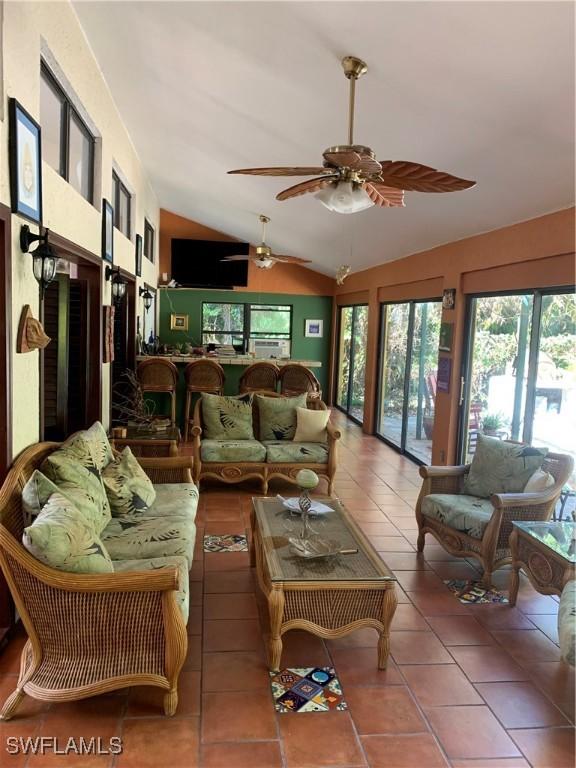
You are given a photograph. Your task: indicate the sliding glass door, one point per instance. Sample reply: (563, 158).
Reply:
(351, 371)
(409, 337)
(519, 372)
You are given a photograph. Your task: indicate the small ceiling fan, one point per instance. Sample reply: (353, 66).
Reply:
(264, 258)
(351, 179)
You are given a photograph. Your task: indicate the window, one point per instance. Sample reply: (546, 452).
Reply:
(238, 324)
(67, 144)
(148, 240)
(122, 205)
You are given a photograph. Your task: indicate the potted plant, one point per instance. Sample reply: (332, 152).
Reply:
(492, 423)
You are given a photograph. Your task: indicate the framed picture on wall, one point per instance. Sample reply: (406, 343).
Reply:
(178, 322)
(25, 163)
(445, 342)
(107, 231)
(314, 329)
(139, 255)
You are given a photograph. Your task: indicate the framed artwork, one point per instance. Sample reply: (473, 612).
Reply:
(107, 231)
(314, 329)
(446, 331)
(25, 163)
(449, 298)
(444, 374)
(139, 255)
(178, 322)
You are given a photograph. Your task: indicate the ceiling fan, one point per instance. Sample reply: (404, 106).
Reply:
(351, 179)
(264, 258)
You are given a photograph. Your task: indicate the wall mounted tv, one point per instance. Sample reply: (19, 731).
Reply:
(198, 264)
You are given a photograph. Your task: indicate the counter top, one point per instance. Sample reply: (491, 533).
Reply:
(232, 360)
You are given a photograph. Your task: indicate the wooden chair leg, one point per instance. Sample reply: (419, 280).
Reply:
(187, 415)
(173, 397)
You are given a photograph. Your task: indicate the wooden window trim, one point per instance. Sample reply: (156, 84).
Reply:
(118, 188)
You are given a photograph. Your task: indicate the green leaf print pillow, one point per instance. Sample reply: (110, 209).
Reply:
(278, 416)
(128, 487)
(501, 467)
(227, 418)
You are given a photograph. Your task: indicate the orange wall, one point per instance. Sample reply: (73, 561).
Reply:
(282, 278)
(534, 254)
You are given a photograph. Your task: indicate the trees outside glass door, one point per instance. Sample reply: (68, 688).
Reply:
(351, 371)
(409, 337)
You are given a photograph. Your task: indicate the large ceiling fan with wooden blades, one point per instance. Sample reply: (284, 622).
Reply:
(351, 179)
(264, 258)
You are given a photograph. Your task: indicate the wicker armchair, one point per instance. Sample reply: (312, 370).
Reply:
(201, 376)
(159, 375)
(493, 548)
(296, 378)
(90, 633)
(260, 377)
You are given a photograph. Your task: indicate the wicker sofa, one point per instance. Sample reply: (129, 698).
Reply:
(90, 633)
(275, 461)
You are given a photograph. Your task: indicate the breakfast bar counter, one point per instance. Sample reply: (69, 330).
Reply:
(244, 360)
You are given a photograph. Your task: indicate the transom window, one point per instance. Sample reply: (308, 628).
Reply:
(148, 240)
(67, 144)
(238, 324)
(122, 205)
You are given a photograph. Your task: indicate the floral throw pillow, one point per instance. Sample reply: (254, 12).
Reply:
(227, 418)
(128, 487)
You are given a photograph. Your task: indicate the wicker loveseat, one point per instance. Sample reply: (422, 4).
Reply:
(90, 633)
(235, 461)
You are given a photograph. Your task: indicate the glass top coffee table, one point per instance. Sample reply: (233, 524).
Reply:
(328, 597)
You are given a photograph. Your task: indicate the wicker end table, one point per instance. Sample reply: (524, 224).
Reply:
(148, 444)
(328, 597)
(546, 552)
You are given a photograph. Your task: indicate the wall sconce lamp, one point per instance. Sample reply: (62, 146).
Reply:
(118, 283)
(147, 297)
(44, 257)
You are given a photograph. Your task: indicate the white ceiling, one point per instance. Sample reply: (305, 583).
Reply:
(484, 90)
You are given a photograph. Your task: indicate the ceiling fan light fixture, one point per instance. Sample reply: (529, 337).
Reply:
(264, 263)
(344, 197)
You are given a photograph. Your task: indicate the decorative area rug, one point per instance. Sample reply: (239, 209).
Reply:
(228, 542)
(307, 689)
(474, 592)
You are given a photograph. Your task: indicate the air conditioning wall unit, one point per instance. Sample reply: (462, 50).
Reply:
(267, 348)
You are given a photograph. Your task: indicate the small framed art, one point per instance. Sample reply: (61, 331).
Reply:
(314, 329)
(449, 298)
(178, 322)
(444, 374)
(445, 341)
(139, 255)
(107, 231)
(25, 163)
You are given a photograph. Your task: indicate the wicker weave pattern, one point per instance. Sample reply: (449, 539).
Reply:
(296, 378)
(333, 609)
(159, 375)
(260, 376)
(205, 376)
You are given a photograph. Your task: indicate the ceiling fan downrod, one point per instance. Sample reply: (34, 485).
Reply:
(264, 220)
(353, 69)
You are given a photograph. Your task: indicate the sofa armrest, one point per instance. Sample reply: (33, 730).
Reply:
(173, 469)
(454, 471)
(333, 433)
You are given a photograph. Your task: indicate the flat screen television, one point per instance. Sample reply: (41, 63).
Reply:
(198, 264)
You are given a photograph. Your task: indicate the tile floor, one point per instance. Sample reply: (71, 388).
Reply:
(478, 686)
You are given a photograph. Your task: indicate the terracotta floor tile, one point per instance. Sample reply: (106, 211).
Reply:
(16, 729)
(379, 529)
(194, 626)
(556, 678)
(196, 593)
(435, 553)
(500, 762)
(391, 544)
(470, 732)
(460, 630)
(417, 750)
(501, 616)
(228, 581)
(547, 747)
(439, 685)
(527, 645)
(547, 623)
(418, 648)
(407, 617)
(235, 671)
(420, 581)
(230, 606)
(439, 604)
(456, 569)
(232, 635)
(361, 638)
(520, 705)
(302, 649)
(146, 701)
(28, 708)
(214, 528)
(194, 655)
(359, 666)
(337, 746)
(405, 561)
(387, 709)
(255, 754)
(487, 663)
(226, 561)
(529, 601)
(230, 716)
(149, 743)
(366, 516)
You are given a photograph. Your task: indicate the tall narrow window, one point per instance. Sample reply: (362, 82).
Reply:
(148, 240)
(122, 205)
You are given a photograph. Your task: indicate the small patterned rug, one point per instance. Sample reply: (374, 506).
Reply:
(307, 689)
(228, 542)
(474, 592)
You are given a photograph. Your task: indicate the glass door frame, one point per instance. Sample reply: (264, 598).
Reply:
(352, 356)
(531, 369)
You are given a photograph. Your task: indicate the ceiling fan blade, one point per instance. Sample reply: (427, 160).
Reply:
(414, 177)
(236, 258)
(295, 171)
(290, 259)
(313, 185)
(385, 197)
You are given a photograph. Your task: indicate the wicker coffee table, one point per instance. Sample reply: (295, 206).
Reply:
(328, 597)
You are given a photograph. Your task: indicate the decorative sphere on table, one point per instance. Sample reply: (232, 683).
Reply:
(307, 479)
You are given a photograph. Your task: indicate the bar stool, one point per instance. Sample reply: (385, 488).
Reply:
(159, 375)
(296, 379)
(201, 376)
(259, 376)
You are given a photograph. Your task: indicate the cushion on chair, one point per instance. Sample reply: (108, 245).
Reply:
(227, 418)
(39, 488)
(61, 537)
(567, 622)
(136, 537)
(289, 452)
(128, 487)
(232, 450)
(539, 481)
(468, 514)
(501, 467)
(278, 416)
(155, 563)
(174, 499)
(311, 426)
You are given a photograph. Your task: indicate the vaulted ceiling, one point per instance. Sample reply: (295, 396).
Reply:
(484, 90)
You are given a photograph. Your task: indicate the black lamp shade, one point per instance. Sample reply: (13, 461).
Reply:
(44, 265)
